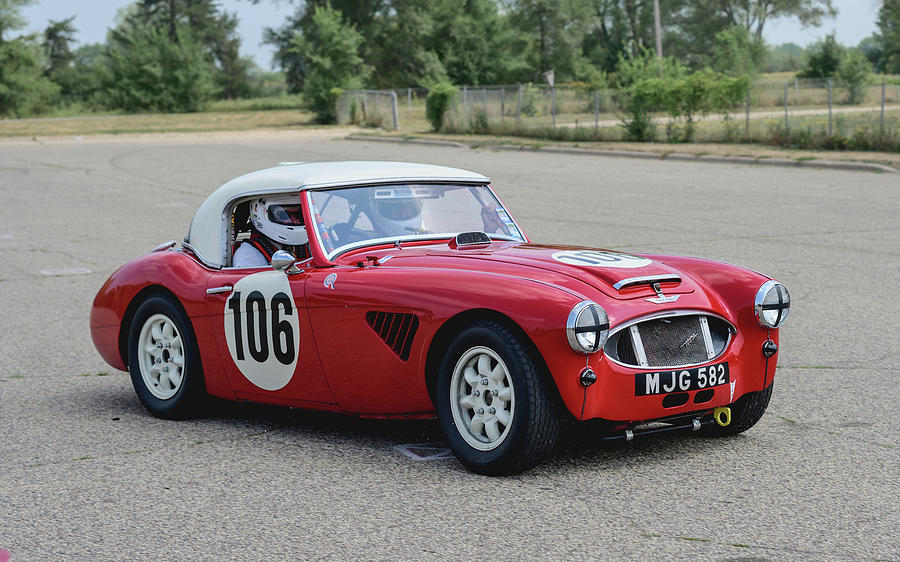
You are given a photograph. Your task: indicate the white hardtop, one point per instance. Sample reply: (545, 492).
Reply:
(208, 231)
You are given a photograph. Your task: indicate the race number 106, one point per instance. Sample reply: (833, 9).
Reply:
(258, 318)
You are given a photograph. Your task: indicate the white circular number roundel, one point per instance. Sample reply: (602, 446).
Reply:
(600, 258)
(262, 329)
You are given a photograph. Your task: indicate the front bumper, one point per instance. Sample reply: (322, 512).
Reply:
(613, 397)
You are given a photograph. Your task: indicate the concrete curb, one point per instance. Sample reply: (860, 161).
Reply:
(820, 164)
(708, 158)
(400, 140)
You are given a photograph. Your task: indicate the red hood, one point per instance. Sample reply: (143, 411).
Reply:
(600, 269)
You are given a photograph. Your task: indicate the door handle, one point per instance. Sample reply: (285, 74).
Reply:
(217, 290)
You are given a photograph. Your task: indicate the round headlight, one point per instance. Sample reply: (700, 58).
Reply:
(587, 327)
(772, 305)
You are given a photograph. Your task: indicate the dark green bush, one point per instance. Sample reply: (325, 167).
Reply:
(642, 97)
(438, 102)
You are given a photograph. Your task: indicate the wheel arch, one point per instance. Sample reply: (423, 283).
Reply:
(444, 336)
(136, 301)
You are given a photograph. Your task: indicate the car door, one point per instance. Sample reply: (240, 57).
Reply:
(261, 323)
(369, 330)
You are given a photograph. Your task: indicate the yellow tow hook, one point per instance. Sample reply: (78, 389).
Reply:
(722, 415)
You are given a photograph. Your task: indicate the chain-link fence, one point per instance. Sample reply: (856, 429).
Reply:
(370, 108)
(774, 111)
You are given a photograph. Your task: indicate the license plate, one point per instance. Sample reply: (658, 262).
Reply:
(680, 380)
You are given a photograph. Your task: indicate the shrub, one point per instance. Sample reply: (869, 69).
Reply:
(646, 65)
(438, 102)
(700, 93)
(479, 121)
(529, 101)
(856, 72)
(642, 98)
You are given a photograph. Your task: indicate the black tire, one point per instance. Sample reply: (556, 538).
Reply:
(533, 424)
(748, 410)
(156, 390)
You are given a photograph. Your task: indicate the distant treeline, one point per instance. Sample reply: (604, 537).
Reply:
(176, 55)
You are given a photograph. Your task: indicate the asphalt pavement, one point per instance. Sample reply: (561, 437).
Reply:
(87, 473)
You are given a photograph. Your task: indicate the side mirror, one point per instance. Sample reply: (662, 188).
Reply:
(284, 261)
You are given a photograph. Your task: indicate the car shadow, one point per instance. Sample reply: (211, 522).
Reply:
(326, 424)
(579, 446)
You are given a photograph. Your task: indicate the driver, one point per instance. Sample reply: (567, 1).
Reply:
(396, 213)
(277, 224)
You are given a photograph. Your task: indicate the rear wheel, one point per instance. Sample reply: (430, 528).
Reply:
(748, 410)
(164, 359)
(493, 405)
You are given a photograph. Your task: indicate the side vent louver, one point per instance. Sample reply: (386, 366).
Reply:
(397, 330)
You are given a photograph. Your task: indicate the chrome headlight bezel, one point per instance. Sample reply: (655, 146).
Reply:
(587, 317)
(782, 304)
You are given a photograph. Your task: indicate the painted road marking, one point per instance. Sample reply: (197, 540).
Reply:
(71, 271)
(423, 452)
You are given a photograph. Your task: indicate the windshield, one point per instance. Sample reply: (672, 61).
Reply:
(352, 217)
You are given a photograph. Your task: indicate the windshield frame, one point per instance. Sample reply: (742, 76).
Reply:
(313, 230)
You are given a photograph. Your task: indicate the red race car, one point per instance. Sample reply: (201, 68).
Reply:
(417, 294)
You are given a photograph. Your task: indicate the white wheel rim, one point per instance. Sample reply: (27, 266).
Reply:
(481, 398)
(161, 356)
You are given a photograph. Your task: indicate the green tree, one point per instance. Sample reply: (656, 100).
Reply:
(551, 33)
(606, 37)
(889, 34)
(233, 70)
(286, 55)
(401, 51)
(90, 73)
(24, 90)
(753, 15)
(822, 58)
(855, 72)
(872, 47)
(475, 43)
(11, 17)
(213, 29)
(785, 57)
(692, 25)
(58, 39)
(738, 52)
(149, 71)
(329, 58)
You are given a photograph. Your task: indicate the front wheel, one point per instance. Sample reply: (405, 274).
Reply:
(748, 410)
(164, 359)
(493, 405)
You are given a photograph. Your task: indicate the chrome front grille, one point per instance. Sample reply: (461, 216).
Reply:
(669, 340)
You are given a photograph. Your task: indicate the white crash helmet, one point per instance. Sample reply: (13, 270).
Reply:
(395, 212)
(280, 219)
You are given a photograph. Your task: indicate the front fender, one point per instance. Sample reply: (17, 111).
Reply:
(172, 272)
